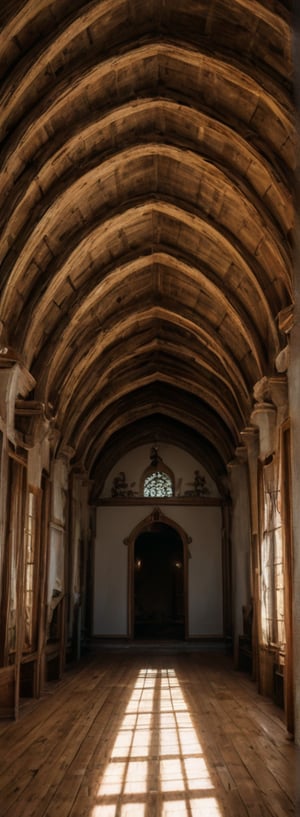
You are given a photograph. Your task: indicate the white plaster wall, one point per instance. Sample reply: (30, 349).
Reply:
(114, 524)
(205, 591)
(111, 563)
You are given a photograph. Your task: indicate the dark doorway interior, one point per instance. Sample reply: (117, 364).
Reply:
(159, 584)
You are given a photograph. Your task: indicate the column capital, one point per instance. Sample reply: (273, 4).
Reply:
(15, 380)
(33, 421)
(279, 392)
(238, 460)
(66, 453)
(286, 319)
(262, 391)
(250, 439)
(271, 408)
(8, 355)
(264, 416)
(241, 454)
(271, 390)
(282, 360)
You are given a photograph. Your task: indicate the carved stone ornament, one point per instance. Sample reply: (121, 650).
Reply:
(156, 514)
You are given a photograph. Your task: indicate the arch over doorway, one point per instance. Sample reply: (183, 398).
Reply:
(157, 537)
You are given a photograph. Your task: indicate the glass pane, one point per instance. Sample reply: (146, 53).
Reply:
(158, 484)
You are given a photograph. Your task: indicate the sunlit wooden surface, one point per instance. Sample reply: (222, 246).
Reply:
(155, 734)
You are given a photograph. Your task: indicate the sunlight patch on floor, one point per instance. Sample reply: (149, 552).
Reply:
(156, 755)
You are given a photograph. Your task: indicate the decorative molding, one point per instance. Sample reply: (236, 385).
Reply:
(66, 453)
(270, 391)
(261, 391)
(123, 501)
(32, 408)
(250, 438)
(241, 454)
(279, 390)
(282, 360)
(33, 420)
(15, 380)
(157, 482)
(286, 319)
(156, 514)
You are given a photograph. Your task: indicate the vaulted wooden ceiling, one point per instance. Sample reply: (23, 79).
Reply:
(147, 153)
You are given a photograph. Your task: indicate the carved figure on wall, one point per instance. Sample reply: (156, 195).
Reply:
(155, 459)
(120, 486)
(200, 487)
(200, 484)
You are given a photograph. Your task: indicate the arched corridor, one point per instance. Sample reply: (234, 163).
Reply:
(150, 380)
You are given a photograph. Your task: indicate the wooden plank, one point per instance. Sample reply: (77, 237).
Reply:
(63, 752)
(7, 691)
(50, 760)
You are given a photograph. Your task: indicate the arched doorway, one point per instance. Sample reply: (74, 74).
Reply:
(169, 540)
(159, 583)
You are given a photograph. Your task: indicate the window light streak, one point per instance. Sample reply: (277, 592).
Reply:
(112, 779)
(122, 745)
(169, 744)
(167, 720)
(140, 724)
(184, 720)
(136, 778)
(206, 807)
(132, 810)
(171, 775)
(189, 743)
(157, 751)
(140, 743)
(197, 773)
(174, 808)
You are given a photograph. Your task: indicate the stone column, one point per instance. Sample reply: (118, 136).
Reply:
(269, 414)
(14, 380)
(250, 437)
(240, 541)
(294, 404)
(264, 417)
(279, 391)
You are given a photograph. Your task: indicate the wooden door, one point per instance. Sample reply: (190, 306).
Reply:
(159, 584)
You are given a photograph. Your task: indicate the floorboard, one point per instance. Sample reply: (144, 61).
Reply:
(146, 734)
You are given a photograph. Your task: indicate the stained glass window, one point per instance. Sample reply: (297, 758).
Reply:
(158, 484)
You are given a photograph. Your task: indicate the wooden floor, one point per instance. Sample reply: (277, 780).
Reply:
(157, 734)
